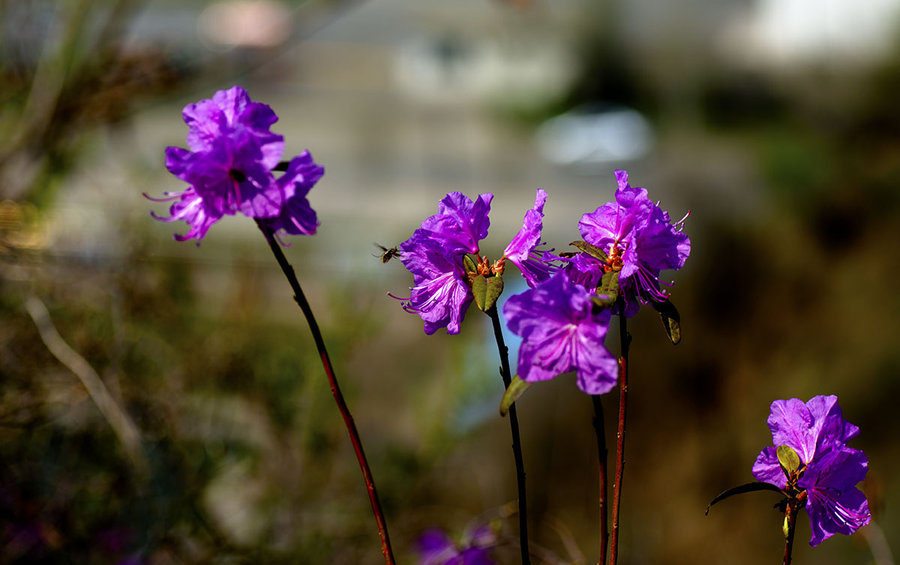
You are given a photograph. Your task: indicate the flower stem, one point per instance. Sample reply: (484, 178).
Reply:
(301, 301)
(602, 455)
(514, 427)
(625, 340)
(790, 515)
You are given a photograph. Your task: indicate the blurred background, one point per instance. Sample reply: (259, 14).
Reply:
(210, 435)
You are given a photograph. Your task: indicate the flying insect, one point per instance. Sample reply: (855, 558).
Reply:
(387, 253)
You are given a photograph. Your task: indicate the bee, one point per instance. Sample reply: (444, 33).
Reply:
(387, 254)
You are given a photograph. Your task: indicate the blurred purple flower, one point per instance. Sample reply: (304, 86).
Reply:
(829, 472)
(640, 241)
(440, 293)
(523, 250)
(229, 168)
(191, 208)
(562, 330)
(436, 548)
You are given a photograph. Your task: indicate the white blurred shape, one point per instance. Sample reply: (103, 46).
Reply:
(833, 31)
(239, 23)
(454, 68)
(589, 139)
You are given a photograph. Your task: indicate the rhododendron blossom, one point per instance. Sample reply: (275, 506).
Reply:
(817, 432)
(640, 241)
(229, 169)
(562, 330)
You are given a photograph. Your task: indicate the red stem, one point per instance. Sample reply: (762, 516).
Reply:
(620, 440)
(301, 301)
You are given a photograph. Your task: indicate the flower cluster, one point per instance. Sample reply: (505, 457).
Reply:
(639, 241)
(229, 168)
(563, 318)
(828, 470)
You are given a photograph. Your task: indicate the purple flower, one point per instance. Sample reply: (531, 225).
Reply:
(562, 330)
(232, 154)
(523, 250)
(434, 255)
(440, 293)
(229, 168)
(829, 471)
(640, 241)
(436, 548)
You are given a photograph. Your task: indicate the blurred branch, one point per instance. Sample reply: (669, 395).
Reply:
(84, 76)
(118, 420)
(881, 551)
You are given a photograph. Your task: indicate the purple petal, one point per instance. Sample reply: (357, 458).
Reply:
(302, 174)
(767, 469)
(660, 244)
(530, 235)
(834, 504)
(206, 122)
(561, 333)
(191, 208)
(522, 250)
(460, 223)
(600, 227)
(831, 426)
(435, 547)
(791, 424)
(440, 294)
(296, 215)
(232, 102)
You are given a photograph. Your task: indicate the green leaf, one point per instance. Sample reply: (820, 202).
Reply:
(788, 458)
(515, 389)
(671, 320)
(609, 285)
(479, 290)
(786, 527)
(602, 301)
(469, 264)
(749, 487)
(493, 291)
(591, 250)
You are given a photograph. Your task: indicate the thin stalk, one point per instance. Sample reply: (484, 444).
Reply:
(516, 443)
(625, 340)
(790, 516)
(602, 455)
(301, 301)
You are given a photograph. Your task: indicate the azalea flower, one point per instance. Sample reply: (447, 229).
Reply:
(229, 168)
(640, 241)
(562, 330)
(434, 255)
(440, 293)
(232, 154)
(829, 470)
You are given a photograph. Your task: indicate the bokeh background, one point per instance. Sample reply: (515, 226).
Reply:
(775, 122)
